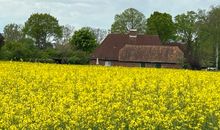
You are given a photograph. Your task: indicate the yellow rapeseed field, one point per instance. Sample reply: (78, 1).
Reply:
(49, 96)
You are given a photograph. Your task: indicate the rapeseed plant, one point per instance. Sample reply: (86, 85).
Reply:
(49, 96)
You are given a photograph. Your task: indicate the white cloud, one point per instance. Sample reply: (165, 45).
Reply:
(95, 13)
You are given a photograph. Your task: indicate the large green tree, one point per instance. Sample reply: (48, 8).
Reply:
(13, 32)
(43, 28)
(202, 49)
(129, 19)
(186, 27)
(213, 24)
(161, 24)
(187, 31)
(84, 39)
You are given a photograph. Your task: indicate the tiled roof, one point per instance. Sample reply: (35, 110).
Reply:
(109, 49)
(151, 53)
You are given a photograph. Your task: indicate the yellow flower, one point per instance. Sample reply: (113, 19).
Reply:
(50, 96)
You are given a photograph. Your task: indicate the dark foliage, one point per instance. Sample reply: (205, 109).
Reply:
(1, 40)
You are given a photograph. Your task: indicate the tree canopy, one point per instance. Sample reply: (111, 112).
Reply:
(129, 19)
(161, 24)
(67, 31)
(213, 29)
(100, 34)
(43, 28)
(186, 26)
(16, 50)
(1, 40)
(187, 31)
(84, 39)
(13, 32)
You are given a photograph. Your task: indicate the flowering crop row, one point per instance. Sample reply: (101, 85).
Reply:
(48, 96)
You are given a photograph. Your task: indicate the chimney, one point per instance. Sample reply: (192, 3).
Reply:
(133, 36)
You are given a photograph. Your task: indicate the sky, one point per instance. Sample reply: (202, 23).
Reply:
(92, 13)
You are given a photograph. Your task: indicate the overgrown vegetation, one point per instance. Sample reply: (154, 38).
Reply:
(42, 39)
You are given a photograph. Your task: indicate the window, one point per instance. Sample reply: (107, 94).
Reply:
(108, 63)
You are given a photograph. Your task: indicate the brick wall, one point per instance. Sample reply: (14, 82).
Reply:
(178, 66)
(133, 64)
(116, 63)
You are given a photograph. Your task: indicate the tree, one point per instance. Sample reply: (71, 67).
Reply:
(16, 50)
(213, 22)
(129, 19)
(100, 34)
(161, 24)
(64, 52)
(43, 28)
(1, 40)
(187, 31)
(186, 27)
(202, 49)
(84, 39)
(13, 32)
(67, 31)
(79, 57)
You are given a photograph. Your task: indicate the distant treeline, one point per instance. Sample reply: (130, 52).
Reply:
(42, 39)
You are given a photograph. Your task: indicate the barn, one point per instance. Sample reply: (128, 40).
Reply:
(137, 50)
